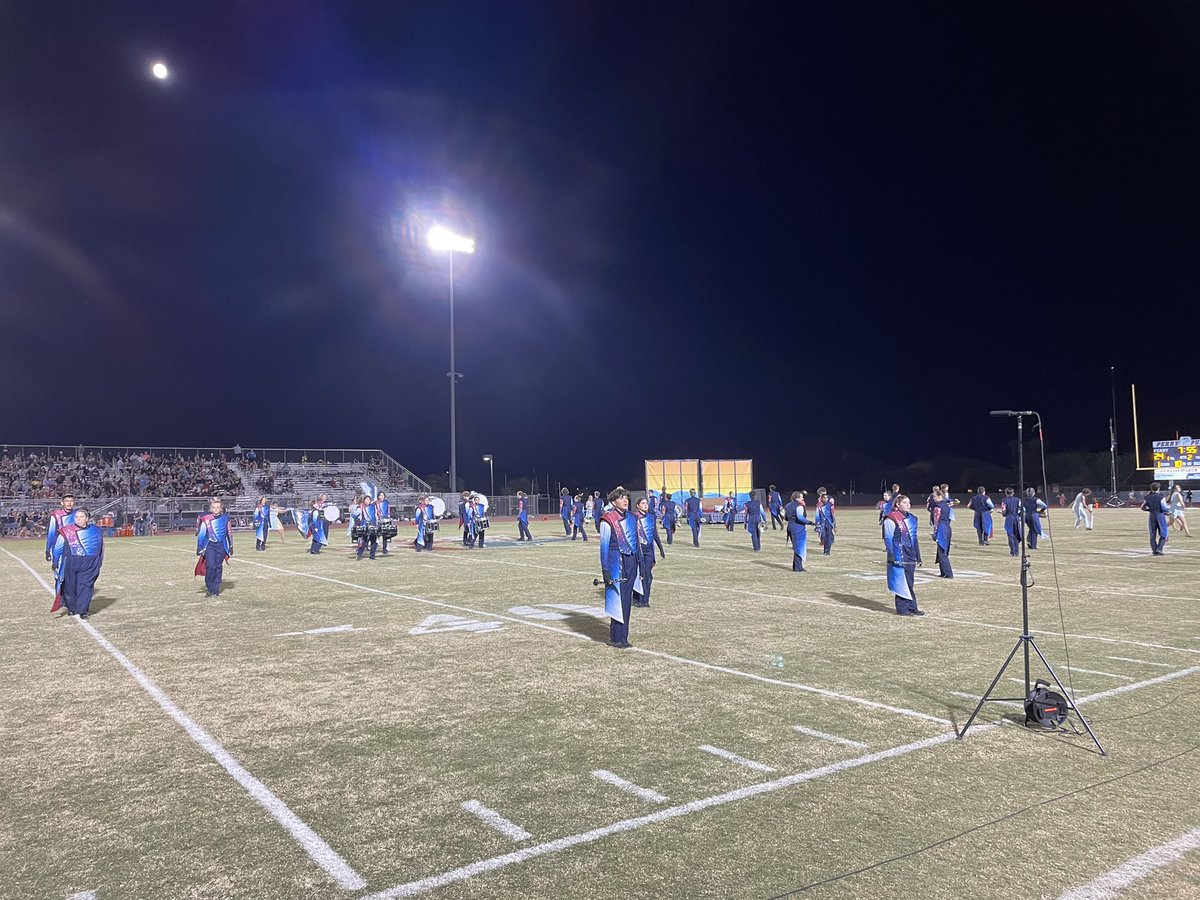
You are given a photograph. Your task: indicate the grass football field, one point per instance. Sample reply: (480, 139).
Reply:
(452, 725)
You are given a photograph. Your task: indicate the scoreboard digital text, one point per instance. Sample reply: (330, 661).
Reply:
(1176, 460)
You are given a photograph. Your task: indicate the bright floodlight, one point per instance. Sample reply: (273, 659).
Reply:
(441, 239)
(487, 458)
(160, 71)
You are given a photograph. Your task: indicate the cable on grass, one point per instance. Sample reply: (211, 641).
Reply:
(983, 825)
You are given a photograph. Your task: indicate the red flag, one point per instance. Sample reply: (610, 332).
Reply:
(57, 601)
(201, 566)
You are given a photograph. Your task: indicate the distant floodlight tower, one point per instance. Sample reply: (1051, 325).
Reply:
(490, 460)
(443, 240)
(159, 70)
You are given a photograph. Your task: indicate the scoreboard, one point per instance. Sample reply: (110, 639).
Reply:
(1176, 460)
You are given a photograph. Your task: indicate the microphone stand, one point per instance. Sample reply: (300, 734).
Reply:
(1025, 641)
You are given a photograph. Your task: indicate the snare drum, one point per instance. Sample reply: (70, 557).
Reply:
(387, 528)
(372, 531)
(358, 532)
(431, 525)
(482, 523)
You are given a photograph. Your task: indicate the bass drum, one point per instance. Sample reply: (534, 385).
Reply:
(439, 506)
(331, 513)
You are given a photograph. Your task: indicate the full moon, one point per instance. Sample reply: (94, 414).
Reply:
(160, 71)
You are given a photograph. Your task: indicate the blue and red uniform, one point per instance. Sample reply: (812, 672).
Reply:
(903, 557)
(58, 519)
(620, 560)
(77, 555)
(214, 541)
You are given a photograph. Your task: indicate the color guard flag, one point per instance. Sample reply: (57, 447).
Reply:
(201, 566)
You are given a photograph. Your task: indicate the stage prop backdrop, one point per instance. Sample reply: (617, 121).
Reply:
(712, 478)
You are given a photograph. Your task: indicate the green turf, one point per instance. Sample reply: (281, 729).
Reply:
(375, 737)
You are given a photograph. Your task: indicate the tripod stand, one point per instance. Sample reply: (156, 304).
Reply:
(1025, 641)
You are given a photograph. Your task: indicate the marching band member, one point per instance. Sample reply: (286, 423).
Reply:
(1154, 505)
(424, 512)
(214, 544)
(645, 551)
(64, 515)
(1082, 505)
(464, 516)
(727, 511)
(903, 555)
(383, 510)
(670, 516)
(950, 500)
(77, 555)
(578, 511)
(318, 527)
(981, 504)
(826, 520)
(276, 524)
(755, 517)
(479, 521)
(565, 509)
(1032, 506)
(523, 517)
(1178, 511)
(796, 517)
(694, 513)
(619, 563)
(597, 509)
(654, 511)
(775, 505)
(942, 533)
(364, 519)
(262, 523)
(641, 514)
(885, 506)
(1011, 507)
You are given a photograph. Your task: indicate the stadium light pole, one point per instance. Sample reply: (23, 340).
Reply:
(443, 240)
(487, 458)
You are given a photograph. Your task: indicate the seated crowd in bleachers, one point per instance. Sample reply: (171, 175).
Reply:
(47, 477)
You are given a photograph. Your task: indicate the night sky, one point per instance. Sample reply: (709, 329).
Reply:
(791, 232)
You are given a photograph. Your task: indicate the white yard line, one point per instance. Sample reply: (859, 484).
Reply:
(1125, 688)
(976, 698)
(312, 844)
(494, 820)
(812, 732)
(1143, 662)
(734, 758)
(930, 617)
(791, 685)
(1111, 884)
(83, 895)
(333, 629)
(629, 787)
(463, 873)
(1094, 672)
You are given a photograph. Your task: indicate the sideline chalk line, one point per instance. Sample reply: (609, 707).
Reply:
(312, 843)
(1111, 883)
